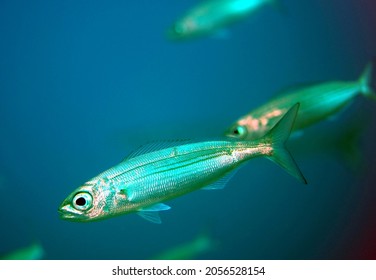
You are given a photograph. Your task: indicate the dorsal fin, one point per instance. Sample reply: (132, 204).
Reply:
(156, 146)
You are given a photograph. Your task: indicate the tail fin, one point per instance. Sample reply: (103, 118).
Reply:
(278, 136)
(365, 81)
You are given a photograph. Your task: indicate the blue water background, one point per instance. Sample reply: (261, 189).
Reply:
(83, 83)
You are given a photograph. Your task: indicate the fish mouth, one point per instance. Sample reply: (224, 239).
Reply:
(67, 212)
(175, 32)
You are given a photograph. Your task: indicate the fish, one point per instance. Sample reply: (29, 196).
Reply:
(201, 244)
(34, 251)
(318, 102)
(211, 16)
(147, 178)
(342, 142)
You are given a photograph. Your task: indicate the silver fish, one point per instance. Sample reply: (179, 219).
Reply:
(142, 182)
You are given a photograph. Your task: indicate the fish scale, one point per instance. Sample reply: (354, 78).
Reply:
(178, 177)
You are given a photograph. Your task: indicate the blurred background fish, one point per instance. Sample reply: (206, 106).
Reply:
(344, 141)
(212, 16)
(193, 249)
(318, 102)
(33, 251)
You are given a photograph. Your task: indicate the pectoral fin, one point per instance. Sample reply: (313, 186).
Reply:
(151, 213)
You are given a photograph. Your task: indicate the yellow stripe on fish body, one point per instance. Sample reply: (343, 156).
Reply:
(317, 102)
(142, 183)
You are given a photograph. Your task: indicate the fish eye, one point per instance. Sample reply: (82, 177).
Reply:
(82, 201)
(239, 131)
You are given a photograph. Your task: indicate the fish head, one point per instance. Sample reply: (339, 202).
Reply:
(182, 29)
(254, 125)
(92, 201)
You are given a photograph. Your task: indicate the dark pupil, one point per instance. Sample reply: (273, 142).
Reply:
(236, 131)
(81, 201)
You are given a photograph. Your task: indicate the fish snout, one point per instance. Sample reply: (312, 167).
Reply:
(67, 212)
(177, 31)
